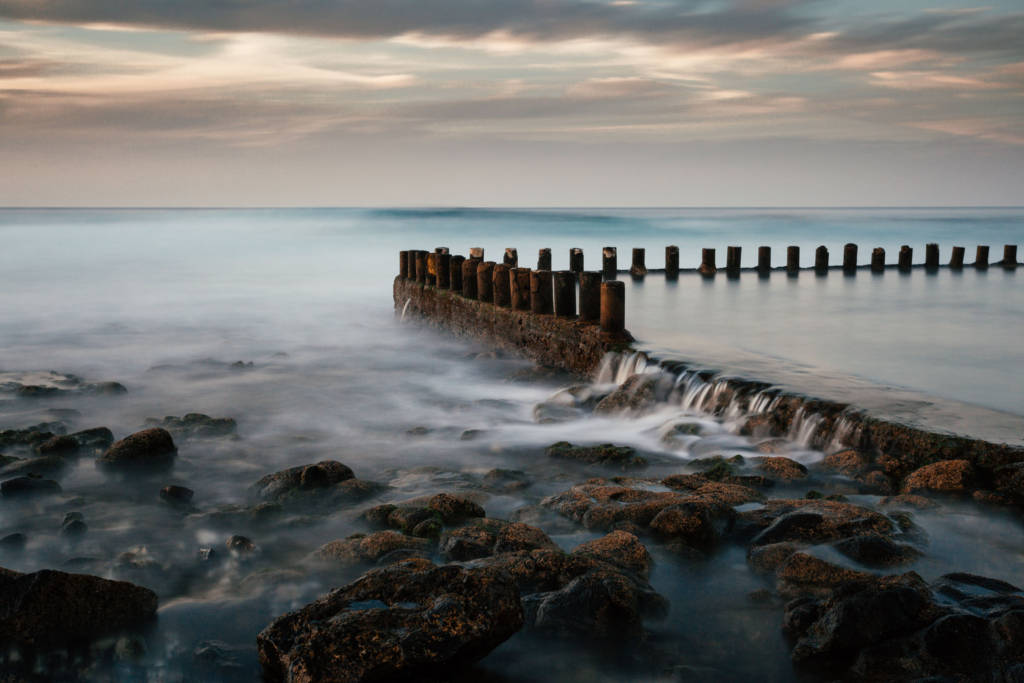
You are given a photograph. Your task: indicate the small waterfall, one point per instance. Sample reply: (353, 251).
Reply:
(616, 368)
(846, 434)
(405, 307)
(802, 429)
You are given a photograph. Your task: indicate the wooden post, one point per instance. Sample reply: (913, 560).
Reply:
(519, 288)
(732, 261)
(981, 257)
(565, 293)
(906, 258)
(672, 262)
(609, 263)
(793, 260)
(638, 269)
(485, 282)
(421, 267)
(501, 286)
(576, 260)
(931, 256)
(613, 306)
(764, 261)
(511, 257)
(444, 271)
(850, 258)
(877, 260)
(707, 263)
(544, 259)
(1009, 256)
(456, 272)
(956, 261)
(403, 264)
(469, 267)
(477, 253)
(821, 260)
(540, 291)
(441, 250)
(432, 268)
(590, 296)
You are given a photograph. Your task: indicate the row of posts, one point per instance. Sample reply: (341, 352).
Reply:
(505, 284)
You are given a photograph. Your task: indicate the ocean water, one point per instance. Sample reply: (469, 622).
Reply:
(167, 301)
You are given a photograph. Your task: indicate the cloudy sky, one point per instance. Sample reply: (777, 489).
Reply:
(511, 102)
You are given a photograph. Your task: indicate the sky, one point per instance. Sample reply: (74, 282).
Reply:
(511, 103)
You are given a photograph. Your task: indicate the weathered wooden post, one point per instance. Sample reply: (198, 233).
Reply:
(501, 286)
(732, 261)
(850, 258)
(609, 263)
(544, 259)
(906, 258)
(477, 253)
(638, 270)
(403, 265)
(956, 261)
(432, 268)
(565, 293)
(793, 260)
(456, 272)
(877, 260)
(444, 270)
(441, 250)
(519, 288)
(511, 257)
(590, 296)
(981, 257)
(672, 262)
(707, 263)
(469, 267)
(1009, 256)
(540, 291)
(421, 267)
(821, 260)
(576, 260)
(485, 282)
(613, 306)
(764, 261)
(931, 256)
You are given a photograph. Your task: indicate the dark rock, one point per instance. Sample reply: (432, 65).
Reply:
(766, 559)
(28, 486)
(105, 389)
(621, 549)
(381, 546)
(551, 412)
(58, 446)
(74, 528)
(635, 395)
(484, 537)
(150, 448)
(52, 608)
(412, 620)
(31, 391)
(815, 521)
(176, 494)
(15, 541)
(240, 544)
(506, 481)
(97, 439)
(947, 476)
(874, 550)
(455, 508)
(782, 468)
(36, 467)
(298, 482)
(800, 574)
(959, 643)
(623, 457)
(850, 462)
(195, 425)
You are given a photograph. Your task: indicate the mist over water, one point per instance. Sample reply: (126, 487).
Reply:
(283, 320)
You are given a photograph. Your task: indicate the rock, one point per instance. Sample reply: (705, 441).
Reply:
(150, 448)
(455, 508)
(176, 494)
(874, 550)
(484, 537)
(850, 462)
(38, 391)
(814, 521)
(782, 468)
(411, 620)
(379, 547)
(681, 433)
(297, 482)
(946, 476)
(875, 483)
(801, 574)
(621, 549)
(506, 481)
(15, 541)
(195, 425)
(773, 446)
(623, 457)
(635, 395)
(766, 559)
(74, 525)
(1009, 481)
(240, 544)
(53, 608)
(28, 486)
(58, 446)
(97, 439)
(551, 412)
(30, 436)
(908, 501)
(36, 467)
(104, 389)
(694, 524)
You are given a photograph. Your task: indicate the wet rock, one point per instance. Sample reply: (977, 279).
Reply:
(767, 559)
(506, 481)
(7, 459)
(30, 437)
(454, 507)
(850, 462)
(635, 395)
(96, 440)
(484, 537)
(28, 486)
(773, 446)
(74, 525)
(680, 433)
(35, 467)
(599, 504)
(947, 476)
(551, 412)
(239, 544)
(622, 457)
(875, 483)
(800, 574)
(908, 501)
(53, 608)
(782, 468)
(412, 620)
(685, 482)
(1009, 481)
(874, 550)
(379, 547)
(176, 494)
(470, 434)
(104, 389)
(621, 549)
(691, 523)
(13, 542)
(757, 425)
(814, 521)
(195, 425)
(33, 391)
(150, 448)
(297, 482)
(58, 446)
